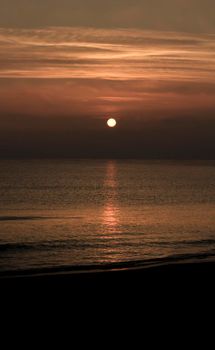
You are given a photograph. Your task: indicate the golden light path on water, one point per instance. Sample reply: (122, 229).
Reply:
(111, 210)
(111, 216)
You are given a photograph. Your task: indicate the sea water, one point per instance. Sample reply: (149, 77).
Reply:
(57, 213)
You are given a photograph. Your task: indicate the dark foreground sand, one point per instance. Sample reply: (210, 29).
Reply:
(161, 275)
(187, 288)
(162, 295)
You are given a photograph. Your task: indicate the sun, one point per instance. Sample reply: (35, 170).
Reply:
(111, 123)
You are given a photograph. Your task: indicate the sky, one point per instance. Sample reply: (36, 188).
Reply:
(67, 66)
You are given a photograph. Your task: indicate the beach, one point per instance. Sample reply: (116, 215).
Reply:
(184, 275)
(159, 293)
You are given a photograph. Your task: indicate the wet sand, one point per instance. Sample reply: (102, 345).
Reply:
(182, 275)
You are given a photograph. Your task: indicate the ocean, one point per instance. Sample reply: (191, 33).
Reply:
(82, 213)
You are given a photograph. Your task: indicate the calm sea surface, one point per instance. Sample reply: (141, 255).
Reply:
(84, 212)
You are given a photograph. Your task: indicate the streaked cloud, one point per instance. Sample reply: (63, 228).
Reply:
(106, 54)
(89, 71)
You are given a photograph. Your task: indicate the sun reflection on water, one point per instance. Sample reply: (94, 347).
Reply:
(111, 209)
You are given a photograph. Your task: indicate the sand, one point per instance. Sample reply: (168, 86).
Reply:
(142, 277)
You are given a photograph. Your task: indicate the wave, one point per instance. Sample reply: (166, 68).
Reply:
(41, 246)
(24, 218)
(17, 218)
(95, 244)
(198, 242)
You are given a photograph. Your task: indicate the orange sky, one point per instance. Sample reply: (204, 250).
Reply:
(96, 71)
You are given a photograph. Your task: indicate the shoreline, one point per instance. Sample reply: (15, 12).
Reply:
(156, 285)
(176, 269)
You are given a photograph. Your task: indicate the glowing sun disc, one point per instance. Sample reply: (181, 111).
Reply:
(111, 122)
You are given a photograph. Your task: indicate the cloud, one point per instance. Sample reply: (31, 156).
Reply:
(96, 72)
(106, 54)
